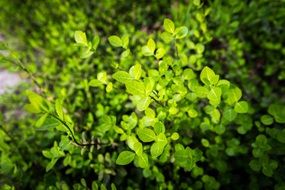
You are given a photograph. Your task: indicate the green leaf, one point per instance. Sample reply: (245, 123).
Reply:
(50, 123)
(143, 161)
(229, 114)
(125, 158)
(241, 107)
(131, 141)
(86, 53)
(192, 113)
(151, 45)
(95, 42)
(115, 41)
(143, 103)
(266, 119)
(6, 164)
(146, 51)
(37, 102)
(41, 120)
(200, 48)
(32, 109)
(175, 136)
(136, 71)
(125, 41)
(150, 113)
(201, 91)
(208, 76)
(58, 108)
(161, 138)
(51, 164)
(122, 76)
(109, 87)
(160, 52)
(166, 37)
(159, 127)
(278, 112)
(224, 83)
(233, 95)
(102, 77)
(168, 25)
(149, 49)
(106, 123)
(113, 186)
(138, 148)
(95, 83)
(157, 148)
(136, 88)
(181, 32)
(215, 116)
(103, 187)
(125, 53)
(184, 157)
(255, 165)
(196, 2)
(214, 96)
(188, 74)
(149, 85)
(205, 142)
(281, 136)
(181, 157)
(146, 134)
(80, 38)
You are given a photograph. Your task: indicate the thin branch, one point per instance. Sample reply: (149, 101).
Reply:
(72, 135)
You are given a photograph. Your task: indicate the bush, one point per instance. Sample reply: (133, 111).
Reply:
(143, 96)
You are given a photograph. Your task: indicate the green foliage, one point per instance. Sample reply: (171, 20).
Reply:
(153, 95)
(278, 112)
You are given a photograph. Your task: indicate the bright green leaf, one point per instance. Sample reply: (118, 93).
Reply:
(122, 76)
(59, 109)
(41, 120)
(208, 76)
(115, 41)
(136, 88)
(95, 42)
(233, 95)
(159, 127)
(241, 107)
(166, 37)
(143, 103)
(125, 158)
(51, 164)
(95, 83)
(146, 134)
(125, 41)
(160, 52)
(138, 148)
(157, 148)
(80, 38)
(181, 32)
(175, 136)
(151, 45)
(143, 161)
(214, 96)
(168, 25)
(125, 53)
(136, 71)
(102, 77)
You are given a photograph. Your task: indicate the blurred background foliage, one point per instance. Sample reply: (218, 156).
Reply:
(242, 41)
